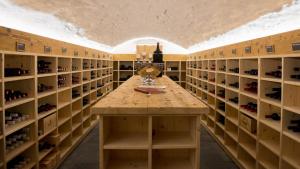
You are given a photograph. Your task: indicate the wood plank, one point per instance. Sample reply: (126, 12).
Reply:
(124, 100)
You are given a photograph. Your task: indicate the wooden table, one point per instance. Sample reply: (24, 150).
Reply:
(158, 131)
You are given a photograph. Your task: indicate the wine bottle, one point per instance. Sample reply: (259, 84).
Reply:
(45, 107)
(252, 107)
(11, 95)
(235, 84)
(234, 100)
(221, 93)
(252, 72)
(235, 70)
(223, 68)
(273, 116)
(10, 72)
(44, 88)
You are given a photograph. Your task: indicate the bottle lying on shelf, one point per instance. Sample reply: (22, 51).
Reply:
(276, 73)
(75, 94)
(222, 68)
(85, 66)
(273, 116)
(44, 88)
(44, 67)
(93, 75)
(296, 76)
(99, 85)
(212, 91)
(18, 162)
(223, 82)
(221, 106)
(44, 146)
(251, 87)
(194, 66)
(61, 69)
(295, 125)
(221, 93)
(85, 101)
(85, 88)
(252, 107)
(17, 139)
(61, 81)
(75, 80)
(234, 70)
(12, 118)
(251, 72)
(75, 68)
(213, 67)
(10, 72)
(205, 77)
(234, 85)
(205, 87)
(11, 95)
(45, 107)
(234, 100)
(276, 94)
(92, 66)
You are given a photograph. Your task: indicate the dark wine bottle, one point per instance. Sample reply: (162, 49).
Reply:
(273, 116)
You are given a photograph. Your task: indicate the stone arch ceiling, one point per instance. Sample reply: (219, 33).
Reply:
(184, 22)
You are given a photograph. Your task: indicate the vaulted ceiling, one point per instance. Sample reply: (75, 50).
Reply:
(184, 22)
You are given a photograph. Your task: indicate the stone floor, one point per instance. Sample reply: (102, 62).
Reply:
(86, 154)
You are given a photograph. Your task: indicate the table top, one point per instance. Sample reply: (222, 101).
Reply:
(124, 100)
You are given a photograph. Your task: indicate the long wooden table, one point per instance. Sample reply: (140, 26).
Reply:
(158, 131)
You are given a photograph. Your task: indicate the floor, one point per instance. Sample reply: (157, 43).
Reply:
(86, 154)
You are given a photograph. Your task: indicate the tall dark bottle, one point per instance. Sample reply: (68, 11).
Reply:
(157, 55)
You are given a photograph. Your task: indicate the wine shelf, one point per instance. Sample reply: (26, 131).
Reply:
(47, 107)
(261, 134)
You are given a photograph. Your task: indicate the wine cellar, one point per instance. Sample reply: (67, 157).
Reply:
(71, 101)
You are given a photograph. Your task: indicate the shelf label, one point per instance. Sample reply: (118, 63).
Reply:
(20, 47)
(296, 47)
(47, 49)
(64, 50)
(248, 49)
(270, 49)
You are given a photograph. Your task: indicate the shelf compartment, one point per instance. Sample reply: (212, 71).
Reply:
(232, 82)
(287, 117)
(76, 79)
(49, 82)
(211, 100)
(232, 114)
(246, 159)
(289, 69)
(125, 132)
(46, 65)
(232, 98)
(47, 125)
(28, 154)
(248, 87)
(12, 152)
(271, 91)
(248, 65)
(233, 64)
(221, 106)
(65, 146)
(231, 130)
(65, 130)
(63, 115)
(231, 144)
(64, 65)
(266, 110)
(76, 134)
(64, 81)
(125, 159)
(248, 143)
(291, 97)
(212, 113)
(167, 134)
(221, 79)
(250, 110)
(291, 151)
(267, 158)
(210, 125)
(76, 64)
(174, 159)
(64, 98)
(76, 121)
(205, 64)
(220, 133)
(46, 147)
(221, 65)
(86, 76)
(125, 65)
(27, 117)
(220, 120)
(49, 100)
(24, 86)
(86, 64)
(270, 138)
(248, 123)
(25, 62)
(273, 66)
(76, 107)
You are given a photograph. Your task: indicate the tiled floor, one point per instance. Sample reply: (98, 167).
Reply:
(86, 154)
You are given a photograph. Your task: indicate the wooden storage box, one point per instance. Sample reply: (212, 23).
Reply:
(49, 162)
(248, 123)
(48, 123)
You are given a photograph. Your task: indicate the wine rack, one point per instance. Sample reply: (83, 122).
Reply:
(257, 121)
(124, 69)
(42, 95)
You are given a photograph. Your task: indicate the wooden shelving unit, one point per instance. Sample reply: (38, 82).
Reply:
(124, 69)
(251, 139)
(88, 79)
